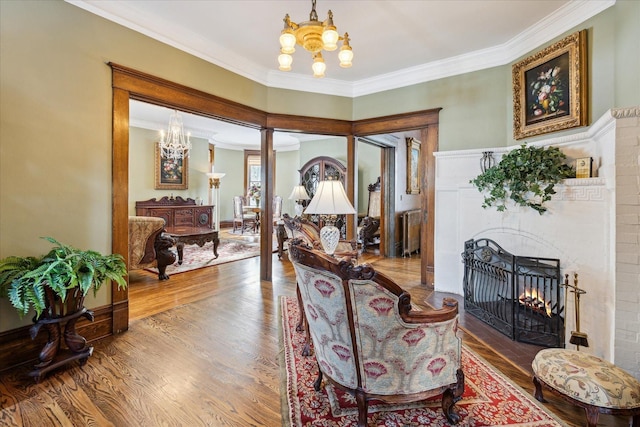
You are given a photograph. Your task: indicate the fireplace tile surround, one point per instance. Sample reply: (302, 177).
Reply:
(592, 225)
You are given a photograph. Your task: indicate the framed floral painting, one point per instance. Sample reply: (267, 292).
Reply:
(413, 166)
(171, 174)
(550, 88)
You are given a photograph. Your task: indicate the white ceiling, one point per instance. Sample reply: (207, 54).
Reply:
(222, 134)
(396, 43)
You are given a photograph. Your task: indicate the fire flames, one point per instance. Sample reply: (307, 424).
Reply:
(531, 299)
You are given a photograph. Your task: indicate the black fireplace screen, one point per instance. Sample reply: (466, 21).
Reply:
(517, 295)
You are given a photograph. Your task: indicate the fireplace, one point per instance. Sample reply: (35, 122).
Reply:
(517, 295)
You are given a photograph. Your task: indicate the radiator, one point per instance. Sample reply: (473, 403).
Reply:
(411, 232)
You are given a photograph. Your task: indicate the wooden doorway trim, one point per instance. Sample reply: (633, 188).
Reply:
(427, 122)
(130, 84)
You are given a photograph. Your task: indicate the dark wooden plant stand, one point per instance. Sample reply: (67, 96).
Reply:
(60, 313)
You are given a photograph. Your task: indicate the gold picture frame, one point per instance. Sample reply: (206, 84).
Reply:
(550, 88)
(171, 174)
(413, 166)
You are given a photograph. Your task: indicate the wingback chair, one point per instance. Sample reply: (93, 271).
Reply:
(369, 341)
(310, 233)
(148, 246)
(369, 227)
(245, 220)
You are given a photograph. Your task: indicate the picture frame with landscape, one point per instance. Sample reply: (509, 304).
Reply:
(171, 174)
(550, 88)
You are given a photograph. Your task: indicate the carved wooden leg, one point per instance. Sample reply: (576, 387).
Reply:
(592, 416)
(363, 408)
(318, 382)
(451, 396)
(281, 234)
(216, 242)
(538, 391)
(306, 350)
(635, 421)
(50, 349)
(164, 255)
(180, 248)
(76, 343)
(300, 324)
(303, 325)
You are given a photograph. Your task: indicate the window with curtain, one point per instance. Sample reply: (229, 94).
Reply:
(253, 177)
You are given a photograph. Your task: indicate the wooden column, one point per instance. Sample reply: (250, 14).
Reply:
(387, 203)
(352, 184)
(267, 167)
(119, 203)
(429, 137)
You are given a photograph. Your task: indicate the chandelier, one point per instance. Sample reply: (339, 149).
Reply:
(175, 146)
(314, 36)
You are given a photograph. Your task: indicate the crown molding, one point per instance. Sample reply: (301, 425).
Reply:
(561, 21)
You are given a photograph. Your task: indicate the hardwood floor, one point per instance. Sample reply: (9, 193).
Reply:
(202, 350)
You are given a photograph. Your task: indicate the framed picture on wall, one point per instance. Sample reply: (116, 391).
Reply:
(550, 88)
(413, 166)
(171, 174)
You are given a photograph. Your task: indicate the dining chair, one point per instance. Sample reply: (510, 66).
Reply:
(245, 220)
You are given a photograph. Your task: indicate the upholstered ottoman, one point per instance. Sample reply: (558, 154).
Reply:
(587, 381)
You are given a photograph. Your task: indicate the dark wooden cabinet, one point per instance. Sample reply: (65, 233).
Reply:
(177, 212)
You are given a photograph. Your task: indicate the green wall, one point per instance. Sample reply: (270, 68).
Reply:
(56, 104)
(142, 143)
(333, 147)
(473, 107)
(477, 107)
(287, 176)
(231, 163)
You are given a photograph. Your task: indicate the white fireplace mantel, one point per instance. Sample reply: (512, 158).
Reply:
(582, 228)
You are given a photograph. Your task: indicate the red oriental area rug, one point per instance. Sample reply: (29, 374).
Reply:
(489, 398)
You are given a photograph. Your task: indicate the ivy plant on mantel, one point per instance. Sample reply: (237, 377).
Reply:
(526, 175)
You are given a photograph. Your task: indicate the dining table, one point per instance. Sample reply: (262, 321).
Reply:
(256, 210)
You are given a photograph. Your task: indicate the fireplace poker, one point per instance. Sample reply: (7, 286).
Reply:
(577, 338)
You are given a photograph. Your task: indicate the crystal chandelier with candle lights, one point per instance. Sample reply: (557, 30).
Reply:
(175, 146)
(314, 36)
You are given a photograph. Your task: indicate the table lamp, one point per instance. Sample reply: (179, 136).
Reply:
(299, 194)
(330, 201)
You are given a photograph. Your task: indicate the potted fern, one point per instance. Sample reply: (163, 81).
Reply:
(54, 285)
(526, 175)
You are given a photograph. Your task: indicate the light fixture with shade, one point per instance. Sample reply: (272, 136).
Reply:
(214, 185)
(299, 194)
(314, 36)
(175, 146)
(329, 201)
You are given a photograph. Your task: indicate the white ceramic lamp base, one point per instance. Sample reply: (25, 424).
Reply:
(329, 238)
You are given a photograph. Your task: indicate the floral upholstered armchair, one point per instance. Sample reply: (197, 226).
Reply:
(369, 341)
(308, 231)
(148, 246)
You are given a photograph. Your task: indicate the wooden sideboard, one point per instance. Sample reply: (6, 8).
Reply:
(177, 212)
